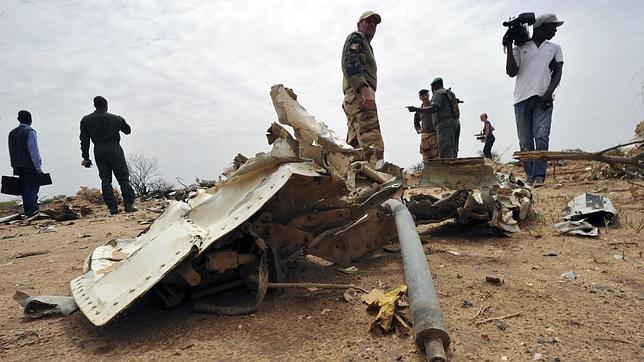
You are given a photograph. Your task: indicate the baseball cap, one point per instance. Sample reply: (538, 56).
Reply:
(368, 14)
(547, 19)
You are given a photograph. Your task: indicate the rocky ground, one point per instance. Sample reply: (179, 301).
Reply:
(597, 316)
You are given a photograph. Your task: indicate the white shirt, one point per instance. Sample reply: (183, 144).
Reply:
(534, 74)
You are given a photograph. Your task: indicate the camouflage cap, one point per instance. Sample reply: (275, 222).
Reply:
(368, 14)
(437, 80)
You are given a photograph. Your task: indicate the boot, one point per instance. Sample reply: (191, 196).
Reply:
(130, 208)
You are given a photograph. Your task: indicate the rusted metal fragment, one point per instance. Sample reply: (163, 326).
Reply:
(458, 173)
(345, 245)
(110, 286)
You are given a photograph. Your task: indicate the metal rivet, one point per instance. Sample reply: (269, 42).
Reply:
(116, 303)
(162, 265)
(148, 277)
(132, 290)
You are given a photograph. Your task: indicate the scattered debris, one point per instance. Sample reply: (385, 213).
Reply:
(466, 304)
(501, 325)
(9, 218)
(551, 341)
(36, 307)
(481, 311)
(348, 270)
(498, 318)
(569, 275)
(388, 305)
(577, 227)
(46, 229)
(29, 253)
(494, 280)
(61, 213)
(391, 248)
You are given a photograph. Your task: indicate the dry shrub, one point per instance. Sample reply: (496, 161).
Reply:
(94, 196)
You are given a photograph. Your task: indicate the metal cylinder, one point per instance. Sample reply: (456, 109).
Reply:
(429, 327)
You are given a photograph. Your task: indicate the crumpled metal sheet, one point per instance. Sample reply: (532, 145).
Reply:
(123, 271)
(596, 209)
(42, 305)
(577, 227)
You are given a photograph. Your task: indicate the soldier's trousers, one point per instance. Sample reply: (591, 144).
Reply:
(110, 159)
(428, 146)
(448, 134)
(363, 128)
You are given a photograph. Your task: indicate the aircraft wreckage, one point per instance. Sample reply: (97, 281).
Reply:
(311, 193)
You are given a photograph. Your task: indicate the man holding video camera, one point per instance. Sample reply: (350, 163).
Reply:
(537, 65)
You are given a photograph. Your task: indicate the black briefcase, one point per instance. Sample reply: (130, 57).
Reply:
(44, 179)
(11, 185)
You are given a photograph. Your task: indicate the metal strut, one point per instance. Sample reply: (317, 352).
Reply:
(429, 327)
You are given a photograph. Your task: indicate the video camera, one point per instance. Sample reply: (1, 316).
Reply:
(518, 29)
(480, 136)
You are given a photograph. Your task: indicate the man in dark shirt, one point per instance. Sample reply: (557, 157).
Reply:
(103, 129)
(26, 161)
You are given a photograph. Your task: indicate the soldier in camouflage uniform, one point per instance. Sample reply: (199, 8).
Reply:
(423, 125)
(446, 123)
(359, 86)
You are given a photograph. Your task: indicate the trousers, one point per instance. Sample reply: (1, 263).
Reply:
(448, 134)
(30, 188)
(111, 159)
(428, 146)
(533, 129)
(363, 127)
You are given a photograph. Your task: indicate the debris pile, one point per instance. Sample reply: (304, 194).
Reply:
(583, 213)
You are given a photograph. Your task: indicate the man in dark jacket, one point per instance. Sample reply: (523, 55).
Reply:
(26, 161)
(103, 129)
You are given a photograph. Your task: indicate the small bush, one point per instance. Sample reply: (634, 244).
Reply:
(94, 196)
(49, 200)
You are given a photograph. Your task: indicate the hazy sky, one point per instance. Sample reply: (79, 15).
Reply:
(193, 77)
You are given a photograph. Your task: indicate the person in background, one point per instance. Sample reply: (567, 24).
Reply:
(26, 161)
(488, 134)
(103, 128)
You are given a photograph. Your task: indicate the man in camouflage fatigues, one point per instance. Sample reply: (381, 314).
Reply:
(423, 125)
(359, 86)
(446, 123)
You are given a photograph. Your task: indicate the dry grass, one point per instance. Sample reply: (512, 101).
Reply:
(93, 195)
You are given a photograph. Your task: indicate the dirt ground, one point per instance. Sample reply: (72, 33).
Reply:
(598, 316)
